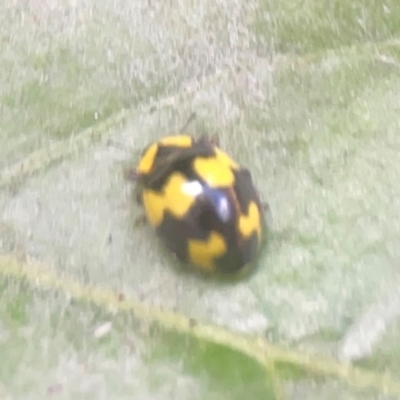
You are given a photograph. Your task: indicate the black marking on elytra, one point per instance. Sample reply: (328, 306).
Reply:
(197, 224)
(238, 255)
(174, 234)
(206, 217)
(245, 190)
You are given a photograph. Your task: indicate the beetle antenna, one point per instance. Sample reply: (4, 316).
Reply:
(119, 145)
(188, 122)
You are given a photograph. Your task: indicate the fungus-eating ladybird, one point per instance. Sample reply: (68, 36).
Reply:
(202, 204)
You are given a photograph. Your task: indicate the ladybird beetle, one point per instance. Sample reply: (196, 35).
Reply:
(202, 204)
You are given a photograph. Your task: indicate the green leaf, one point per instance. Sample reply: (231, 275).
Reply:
(305, 94)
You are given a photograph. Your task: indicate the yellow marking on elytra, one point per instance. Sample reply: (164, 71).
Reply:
(146, 162)
(172, 199)
(214, 172)
(202, 253)
(178, 140)
(222, 156)
(217, 170)
(250, 222)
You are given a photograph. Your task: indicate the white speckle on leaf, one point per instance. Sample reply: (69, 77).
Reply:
(368, 330)
(103, 330)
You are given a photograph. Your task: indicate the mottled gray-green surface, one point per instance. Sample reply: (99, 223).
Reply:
(306, 94)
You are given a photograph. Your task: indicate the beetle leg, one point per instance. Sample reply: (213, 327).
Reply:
(265, 206)
(131, 174)
(141, 220)
(139, 199)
